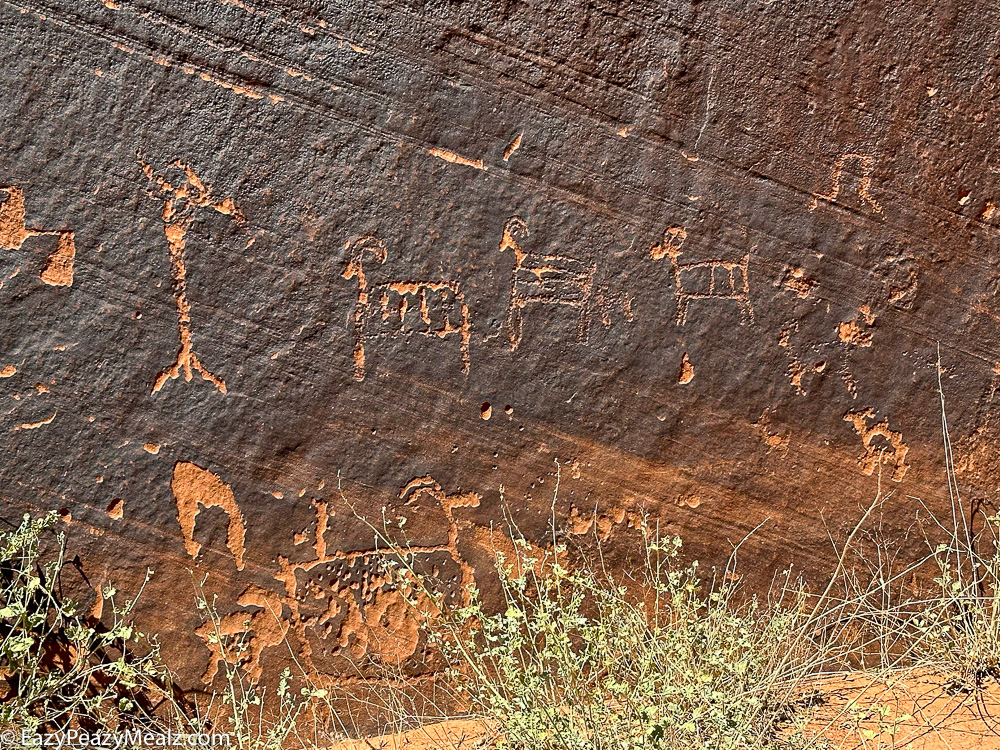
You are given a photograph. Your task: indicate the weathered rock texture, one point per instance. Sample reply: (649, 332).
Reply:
(271, 266)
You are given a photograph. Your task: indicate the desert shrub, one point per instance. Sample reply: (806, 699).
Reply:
(958, 625)
(65, 670)
(297, 713)
(578, 661)
(61, 671)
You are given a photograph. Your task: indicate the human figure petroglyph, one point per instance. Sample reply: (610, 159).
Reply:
(14, 232)
(181, 203)
(546, 280)
(864, 186)
(704, 280)
(434, 309)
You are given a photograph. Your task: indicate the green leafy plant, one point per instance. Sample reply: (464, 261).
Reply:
(60, 670)
(579, 661)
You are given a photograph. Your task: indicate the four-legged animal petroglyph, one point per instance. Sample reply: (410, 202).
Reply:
(58, 269)
(434, 309)
(348, 602)
(180, 210)
(706, 279)
(546, 280)
(864, 186)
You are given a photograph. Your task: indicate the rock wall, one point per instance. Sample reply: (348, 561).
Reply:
(272, 269)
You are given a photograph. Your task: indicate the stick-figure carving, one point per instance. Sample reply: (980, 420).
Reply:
(180, 210)
(434, 309)
(706, 279)
(864, 186)
(546, 280)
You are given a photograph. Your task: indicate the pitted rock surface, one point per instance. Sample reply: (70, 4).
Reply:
(274, 271)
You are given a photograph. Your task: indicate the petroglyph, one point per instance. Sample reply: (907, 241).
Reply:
(705, 280)
(347, 602)
(882, 445)
(403, 308)
(867, 165)
(544, 280)
(14, 232)
(116, 508)
(181, 203)
(513, 146)
(688, 501)
(673, 238)
(453, 158)
(795, 280)
(686, 373)
(773, 440)
(195, 488)
(853, 334)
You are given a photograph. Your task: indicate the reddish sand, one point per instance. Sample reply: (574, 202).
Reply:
(908, 711)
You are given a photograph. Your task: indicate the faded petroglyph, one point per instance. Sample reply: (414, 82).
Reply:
(608, 305)
(181, 204)
(867, 166)
(195, 488)
(795, 281)
(882, 445)
(796, 371)
(710, 102)
(544, 280)
(603, 523)
(14, 232)
(347, 602)
(704, 280)
(241, 638)
(689, 500)
(36, 425)
(773, 440)
(403, 308)
(833, 355)
(978, 453)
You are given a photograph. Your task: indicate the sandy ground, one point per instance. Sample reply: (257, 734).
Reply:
(909, 711)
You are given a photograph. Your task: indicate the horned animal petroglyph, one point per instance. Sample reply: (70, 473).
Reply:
(403, 308)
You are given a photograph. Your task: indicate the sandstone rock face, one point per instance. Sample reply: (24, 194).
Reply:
(273, 270)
